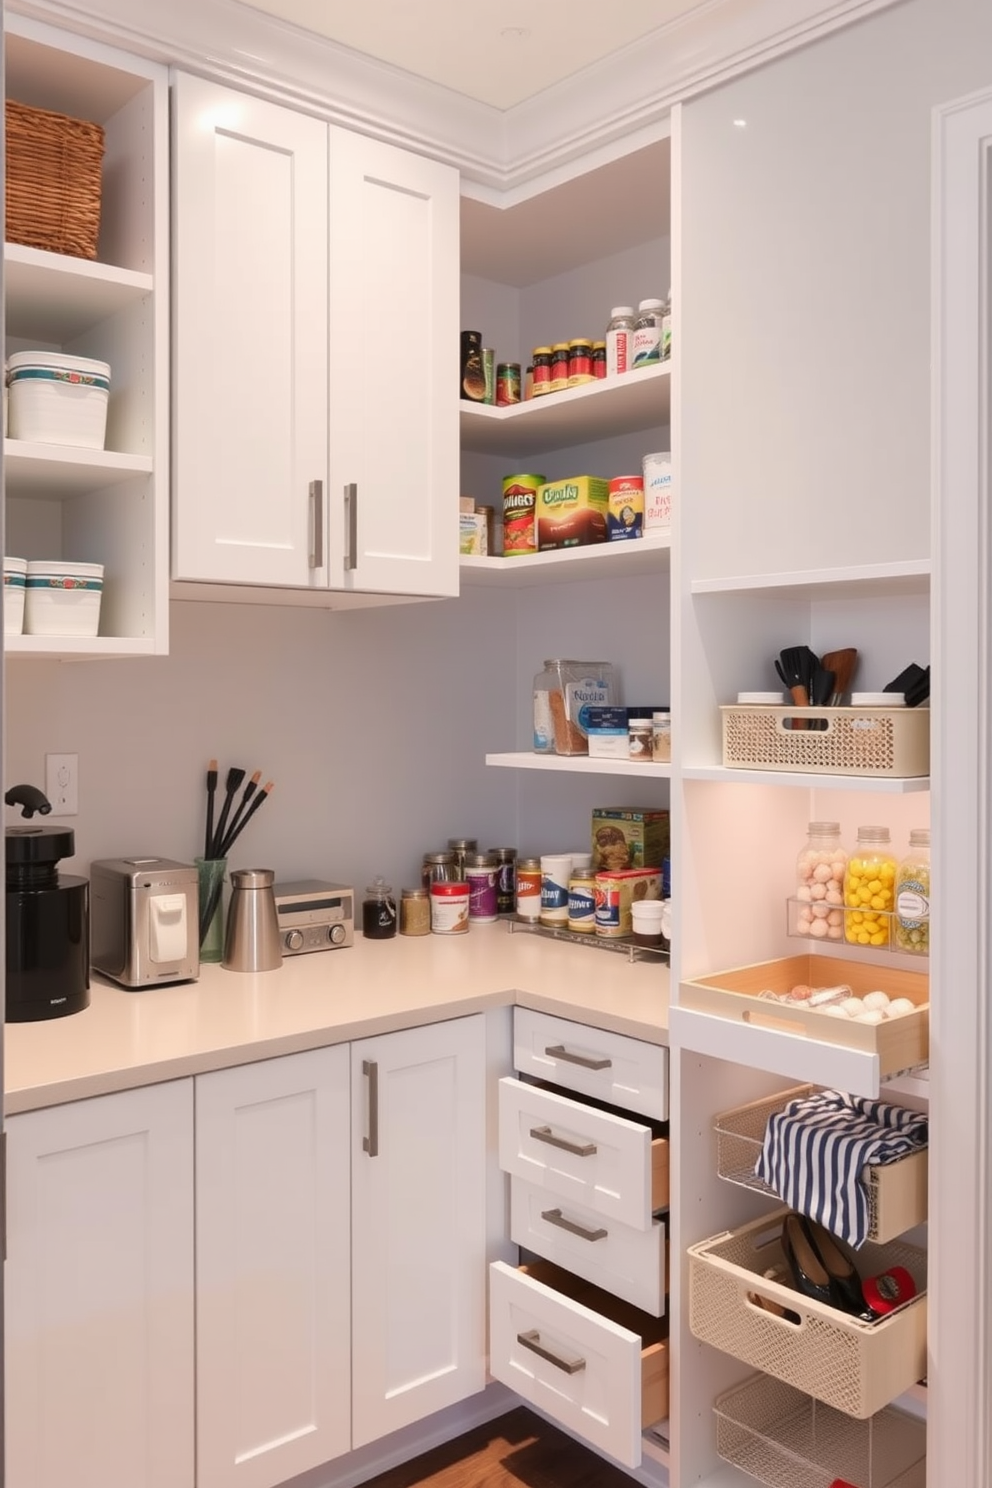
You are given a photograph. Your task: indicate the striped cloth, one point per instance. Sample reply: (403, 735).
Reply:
(815, 1149)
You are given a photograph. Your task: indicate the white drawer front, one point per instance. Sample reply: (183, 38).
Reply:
(610, 1066)
(595, 1388)
(629, 1263)
(588, 1157)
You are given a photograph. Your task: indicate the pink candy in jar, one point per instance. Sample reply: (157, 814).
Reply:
(819, 893)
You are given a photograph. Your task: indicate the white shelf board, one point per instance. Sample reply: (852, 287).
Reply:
(612, 405)
(646, 555)
(791, 1055)
(884, 784)
(915, 1082)
(579, 764)
(66, 470)
(77, 648)
(910, 576)
(55, 298)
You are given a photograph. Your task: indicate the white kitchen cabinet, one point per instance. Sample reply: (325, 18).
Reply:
(106, 506)
(272, 1265)
(315, 355)
(418, 1223)
(98, 1324)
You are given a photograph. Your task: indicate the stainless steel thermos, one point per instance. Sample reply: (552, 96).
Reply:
(252, 940)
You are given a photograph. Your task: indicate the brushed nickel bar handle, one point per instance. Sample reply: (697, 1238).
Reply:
(316, 524)
(555, 1217)
(545, 1134)
(351, 526)
(558, 1051)
(370, 1144)
(532, 1340)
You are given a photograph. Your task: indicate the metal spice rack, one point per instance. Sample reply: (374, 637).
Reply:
(625, 945)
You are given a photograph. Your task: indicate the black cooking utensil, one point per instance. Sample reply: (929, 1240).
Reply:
(208, 836)
(796, 666)
(913, 682)
(843, 664)
(258, 802)
(234, 779)
(821, 685)
(238, 817)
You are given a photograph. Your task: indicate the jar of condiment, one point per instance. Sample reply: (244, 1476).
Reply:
(579, 362)
(647, 334)
(582, 900)
(912, 924)
(599, 359)
(541, 383)
(820, 870)
(415, 912)
(559, 367)
(640, 733)
(506, 881)
(869, 889)
(439, 867)
(661, 736)
(461, 847)
(529, 888)
(449, 908)
(619, 335)
(378, 911)
(481, 874)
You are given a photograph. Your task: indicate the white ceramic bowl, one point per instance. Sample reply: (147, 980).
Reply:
(58, 399)
(14, 574)
(63, 599)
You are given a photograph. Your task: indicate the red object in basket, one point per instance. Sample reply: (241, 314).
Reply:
(842, 1483)
(889, 1290)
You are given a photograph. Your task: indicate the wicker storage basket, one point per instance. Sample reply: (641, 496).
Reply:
(784, 1439)
(53, 179)
(891, 742)
(856, 1367)
(897, 1192)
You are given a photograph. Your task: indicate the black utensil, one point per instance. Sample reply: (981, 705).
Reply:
(238, 817)
(798, 664)
(821, 685)
(234, 779)
(211, 788)
(843, 664)
(258, 802)
(914, 684)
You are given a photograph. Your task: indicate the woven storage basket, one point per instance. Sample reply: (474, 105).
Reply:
(856, 1367)
(836, 741)
(784, 1439)
(53, 180)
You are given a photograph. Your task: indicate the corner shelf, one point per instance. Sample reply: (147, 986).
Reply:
(645, 555)
(883, 784)
(636, 401)
(579, 764)
(909, 576)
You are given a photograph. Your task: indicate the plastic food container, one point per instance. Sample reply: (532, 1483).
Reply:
(63, 599)
(58, 399)
(14, 576)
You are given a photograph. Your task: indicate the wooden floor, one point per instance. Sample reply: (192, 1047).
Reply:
(516, 1449)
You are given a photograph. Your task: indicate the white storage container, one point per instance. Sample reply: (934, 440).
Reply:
(14, 575)
(58, 399)
(63, 599)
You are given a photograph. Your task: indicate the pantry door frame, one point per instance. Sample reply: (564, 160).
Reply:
(959, 1446)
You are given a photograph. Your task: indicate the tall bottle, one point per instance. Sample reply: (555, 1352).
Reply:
(545, 683)
(869, 889)
(647, 334)
(619, 340)
(820, 870)
(912, 922)
(666, 328)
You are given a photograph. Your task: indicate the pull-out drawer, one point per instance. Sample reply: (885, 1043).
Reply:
(605, 1163)
(588, 1360)
(632, 1264)
(611, 1067)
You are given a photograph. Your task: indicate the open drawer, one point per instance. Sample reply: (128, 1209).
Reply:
(608, 1164)
(588, 1360)
(632, 1264)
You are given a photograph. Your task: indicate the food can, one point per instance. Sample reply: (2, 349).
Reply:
(556, 869)
(507, 384)
(489, 374)
(520, 514)
(449, 908)
(559, 367)
(582, 901)
(625, 515)
(541, 357)
(580, 362)
(481, 875)
(529, 888)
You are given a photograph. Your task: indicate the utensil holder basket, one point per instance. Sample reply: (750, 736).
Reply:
(857, 1367)
(53, 180)
(897, 1192)
(829, 741)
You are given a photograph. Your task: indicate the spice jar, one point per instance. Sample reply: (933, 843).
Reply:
(529, 888)
(582, 900)
(415, 912)
(869, 889)
(461, 847)
(449, 908)
(661, 736)
(378, 910)
(439, 867)
(640, 739)
(481, 874)
(820, 870)
(912, 923)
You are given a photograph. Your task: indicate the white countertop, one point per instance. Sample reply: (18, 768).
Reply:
(125, 1039)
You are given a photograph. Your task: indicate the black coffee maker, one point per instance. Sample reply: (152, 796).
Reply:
(48, 918)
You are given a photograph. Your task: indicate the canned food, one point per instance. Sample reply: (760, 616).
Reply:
(481, 874)
(529, 889)
(489, 374)
(520, 514)
(582, 901)
(449, 908)
(506, 882)
(507, 383)
(580, 362)
(556, 869)
(542, 371)
(559, 367)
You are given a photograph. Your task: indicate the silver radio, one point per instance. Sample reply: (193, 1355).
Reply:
(314, 916)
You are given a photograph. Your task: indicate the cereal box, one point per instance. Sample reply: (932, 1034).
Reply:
(572, 513)
(624, 837)
(616, 892)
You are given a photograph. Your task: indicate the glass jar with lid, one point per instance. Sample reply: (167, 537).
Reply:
(439, 867)
(869, 889)
(415, 912)
(378, 910)
(912, 921)
(819, 892)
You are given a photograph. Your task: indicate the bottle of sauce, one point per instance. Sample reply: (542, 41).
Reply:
(619, 336)
(378, 911)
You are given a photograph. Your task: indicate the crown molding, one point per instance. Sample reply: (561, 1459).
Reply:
(503, 155)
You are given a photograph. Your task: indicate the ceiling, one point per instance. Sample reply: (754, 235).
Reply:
(500, 53)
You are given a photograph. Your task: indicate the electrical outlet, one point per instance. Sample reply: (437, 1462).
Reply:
(62, 783)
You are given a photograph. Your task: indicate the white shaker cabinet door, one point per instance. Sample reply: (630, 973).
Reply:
(98, 1283)
(272, 1255)
(418, 1218)
(394, 318)
(250, 342)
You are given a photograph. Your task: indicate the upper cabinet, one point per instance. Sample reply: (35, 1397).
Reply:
(315, 354)
(109, 505)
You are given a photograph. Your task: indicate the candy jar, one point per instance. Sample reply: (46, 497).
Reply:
(912, 922)
(869, 889)
(820, 870)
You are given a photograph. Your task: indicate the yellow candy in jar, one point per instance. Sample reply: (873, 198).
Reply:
(912, 916)
(868, 889)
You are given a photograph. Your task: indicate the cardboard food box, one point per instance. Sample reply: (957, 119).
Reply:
(572, 513)
(627, 838)
(616, 892)
(472, 535)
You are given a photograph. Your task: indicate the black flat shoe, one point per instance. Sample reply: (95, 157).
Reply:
(819, 1268)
